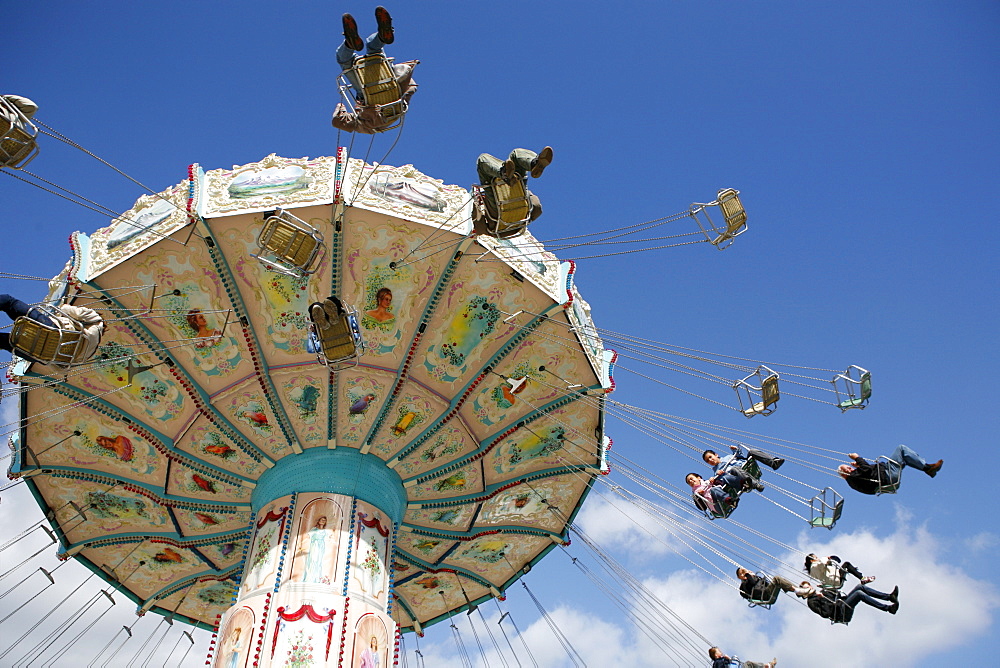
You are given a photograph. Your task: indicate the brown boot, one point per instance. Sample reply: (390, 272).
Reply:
(507, 171)
(932, 469)
(351, 36)
(384, 25)
(543, 160)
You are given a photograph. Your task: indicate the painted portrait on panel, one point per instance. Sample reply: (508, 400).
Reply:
(317, 540)
(235, 639)
(371, 643)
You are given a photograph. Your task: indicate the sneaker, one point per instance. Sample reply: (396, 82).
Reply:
(932, 469)
(757, 485)
(319, 316)
(543, 160)
(331, 311)
(384, 25)
(507, 171)
(351, 37)
(776, 463)
(868, 578)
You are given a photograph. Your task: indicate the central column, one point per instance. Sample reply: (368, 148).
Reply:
(317, 576)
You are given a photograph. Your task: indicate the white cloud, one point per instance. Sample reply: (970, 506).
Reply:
(941, 607)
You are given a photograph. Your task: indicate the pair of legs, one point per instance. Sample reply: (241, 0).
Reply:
(719, 495)
(734, 480)
(352, 42)
(519, 163)
(522, 162)
(15, 308)
(904, 456)
(737, 480)
(873, 597)
(849, 568)
(766, 459)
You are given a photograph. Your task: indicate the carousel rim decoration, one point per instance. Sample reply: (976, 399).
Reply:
(471, 420)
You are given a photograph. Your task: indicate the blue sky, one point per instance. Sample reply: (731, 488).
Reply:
(862, 136)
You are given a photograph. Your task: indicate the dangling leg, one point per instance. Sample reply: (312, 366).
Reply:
(352, 42)
(907, 456)
(13, 307)
(870, 596)
(488, 167)
(384, 33)
(766, 459)
(852, 569)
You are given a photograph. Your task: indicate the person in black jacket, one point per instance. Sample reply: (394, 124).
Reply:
(721, 660)
(761, 587)
(884, 476)
(833, 605)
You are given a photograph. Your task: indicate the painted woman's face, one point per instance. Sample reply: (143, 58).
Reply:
(374, 643)
(321, 523)
(200, 320)
(385, 300)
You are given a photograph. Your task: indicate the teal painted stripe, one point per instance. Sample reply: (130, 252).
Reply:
(340, 471)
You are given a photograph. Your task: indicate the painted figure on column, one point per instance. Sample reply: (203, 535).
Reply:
(235, 645)
(318, 537)
(369, 657)
(371, 643)
(317, 542)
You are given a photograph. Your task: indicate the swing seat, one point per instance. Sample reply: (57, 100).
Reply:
(722, 511)
(767, 391)
(734, 218)
(18, 144)
(379, 88)
(888, 487)
(826, 508)
(45, 343)
(341, 342)
(856, 384)
(289, 245)
(513, 208)
(767, 597)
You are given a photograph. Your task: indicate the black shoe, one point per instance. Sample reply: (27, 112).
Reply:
(776, 463)
(757, 485)
(351, 37)
(893, 608)
(932, 469)
(384, 25)
(894, 595)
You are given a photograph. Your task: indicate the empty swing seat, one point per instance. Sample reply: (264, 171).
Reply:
(18, 145)
(289, 245)
(734, 218)
(857, 387)
(826, 508)
(766, 391)
(45, 343)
